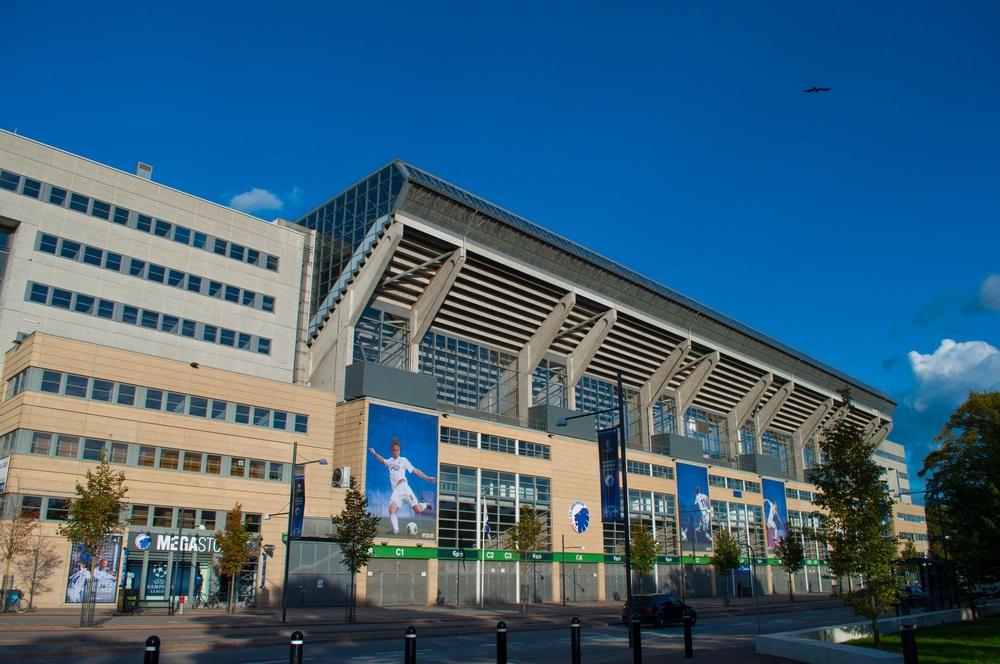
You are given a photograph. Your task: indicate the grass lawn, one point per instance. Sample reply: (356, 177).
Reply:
(958, 643)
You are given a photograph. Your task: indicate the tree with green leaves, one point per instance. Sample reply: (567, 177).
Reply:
(235, 546)
(963, 493)
(644, 550)
(857, 518)
(793, 557)
(526, 536)
(356, 530)
(725, 558)
(97, 513)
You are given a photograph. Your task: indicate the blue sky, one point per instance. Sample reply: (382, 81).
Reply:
(860, 225)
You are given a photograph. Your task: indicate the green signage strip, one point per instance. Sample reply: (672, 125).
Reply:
(413, 552)
(458, 554)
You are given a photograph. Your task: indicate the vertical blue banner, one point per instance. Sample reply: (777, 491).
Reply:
(695, 509)
(611, 492)
(298, 502)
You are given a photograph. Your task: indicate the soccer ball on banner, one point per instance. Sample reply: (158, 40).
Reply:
(411, 528)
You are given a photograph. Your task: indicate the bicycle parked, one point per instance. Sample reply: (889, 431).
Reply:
(13, 600)
(210, 602)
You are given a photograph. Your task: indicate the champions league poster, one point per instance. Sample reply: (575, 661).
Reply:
(695, 509)
(775, 513)
(105, 572)
(401, 468)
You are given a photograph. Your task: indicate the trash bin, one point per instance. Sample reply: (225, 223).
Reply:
(128, 601)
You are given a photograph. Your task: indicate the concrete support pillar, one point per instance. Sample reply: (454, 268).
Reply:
(580, 358)
(653, 388)
(534, 351)
(688, 389)
(429, 303)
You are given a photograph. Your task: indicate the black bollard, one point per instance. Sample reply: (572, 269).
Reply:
(295, 647)
(410, 648)
(501, 642)
(908, 639)
(688, 646)
(636, 641)
(574, 640)
(152, 655)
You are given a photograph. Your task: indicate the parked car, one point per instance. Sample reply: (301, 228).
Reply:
(659, 610)
(986, 590)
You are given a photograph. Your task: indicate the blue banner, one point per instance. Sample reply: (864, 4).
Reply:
(775, 513)
(695, 509)
(611, 492)
(298, 502)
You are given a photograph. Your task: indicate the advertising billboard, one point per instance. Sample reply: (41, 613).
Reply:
(695, 509)
(611, 492)
(775, 512)
(105, 572)
(401, 472)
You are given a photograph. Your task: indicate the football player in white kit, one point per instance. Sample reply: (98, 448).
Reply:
(401, 492)
(705, 507)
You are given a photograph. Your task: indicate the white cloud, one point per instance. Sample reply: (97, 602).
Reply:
(255, 200)
(989, 293)
(952, 370)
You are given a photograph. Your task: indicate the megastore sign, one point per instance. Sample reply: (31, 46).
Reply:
(161, 542)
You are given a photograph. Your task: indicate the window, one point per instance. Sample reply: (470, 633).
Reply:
(666, 472)
(242, 413)
(208, 519)
(147, 456)
(717, 480)
(154, 399)
(32, 506)
(198, 407)
(84, 304)
(219, 410)
(106, 309)
(101, 210)
(176, 403)
(57, 196)
(163, 517)
(537, 450)
(78, 202)
(188, 328)
(280, 420)
(192, 462)
(169, 459)
(175, 278)
(61, 298)
(219, 247)
(252, 522)
(161, 228)
(261, 417)
(68, 447)
(69, 249)
(41, 443)
(9, 181)
(267, 303)
(734, 484)
(119, 453)
(121, 216)
(93, 449)
(93, 256)
(275, 471)
(156, 273)
(272, 263)
(48, 243)
(248, 298)
(57, 509)
(32, 188)
(214, 288)
(459, 437)
(130, 315)
(150, 319)
(126, 394)
(257, 469)
(301, 424)
(140, 515)
(144, 223)
(51, 381)
(194, 283)
(200, 240)
(136, 267)
(39, 293)
(112, 261)
(236, 251)
(187, 518)
(237, 467)
(209, 333)
(232, 294)
(213, 464)
(169, 323)
(101, 390)
(76, 386)
(227, 337)
(182, 235)
(264, 346)
(253, 257)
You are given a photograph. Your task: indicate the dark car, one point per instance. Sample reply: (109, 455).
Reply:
(659, 610)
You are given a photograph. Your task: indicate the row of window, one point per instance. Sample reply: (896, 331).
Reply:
(147, 318)
(799, 494)
(890, 456)
(141, 269)
(155, 516)
(915, 518)
(473, 439)
(145, 456)
(721, 482)
(650, 469)
(140, 222)
(125, 394)
(914, 537)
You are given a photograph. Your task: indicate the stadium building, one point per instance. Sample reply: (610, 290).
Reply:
(429, 345)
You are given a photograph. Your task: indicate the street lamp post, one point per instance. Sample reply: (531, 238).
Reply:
(620, 409)
(291, 512)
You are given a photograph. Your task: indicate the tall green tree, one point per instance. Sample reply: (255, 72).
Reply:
(524, 537)
(725, 558)
(793, 557)
(857, 519)
(644, 550)
(97, 513)
(963, 493)
(235, 546)
(356, 530)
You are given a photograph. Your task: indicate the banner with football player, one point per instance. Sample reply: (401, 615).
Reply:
(775, 513)
(695, 509)
(401, 472)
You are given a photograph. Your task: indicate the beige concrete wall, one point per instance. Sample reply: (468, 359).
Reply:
(52, 476)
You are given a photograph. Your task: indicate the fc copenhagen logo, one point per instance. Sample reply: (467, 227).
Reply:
(579, 516)
(143, 541)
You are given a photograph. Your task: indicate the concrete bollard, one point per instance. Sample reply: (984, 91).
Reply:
(501, 642)
(574, 641)
(152, 652)
(636, 641)
(688, 641)
(908, 639)
(410, 646)
(295, 646)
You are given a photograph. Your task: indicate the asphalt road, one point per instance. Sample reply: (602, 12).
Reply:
(721, 638)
